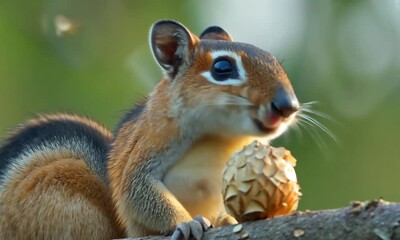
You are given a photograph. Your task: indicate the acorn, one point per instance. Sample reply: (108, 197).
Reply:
(260, 182)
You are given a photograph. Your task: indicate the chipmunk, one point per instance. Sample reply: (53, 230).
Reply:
(161, 171)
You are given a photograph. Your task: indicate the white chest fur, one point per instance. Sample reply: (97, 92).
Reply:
(196, 179)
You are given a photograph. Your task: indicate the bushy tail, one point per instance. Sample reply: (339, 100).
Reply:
(53, 181)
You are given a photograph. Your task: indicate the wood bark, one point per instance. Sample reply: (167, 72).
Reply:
(362, 220)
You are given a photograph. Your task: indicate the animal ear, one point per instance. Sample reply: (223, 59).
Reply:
(171, 44)
(216, 33)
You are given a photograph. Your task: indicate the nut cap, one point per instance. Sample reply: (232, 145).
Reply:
(260, 182)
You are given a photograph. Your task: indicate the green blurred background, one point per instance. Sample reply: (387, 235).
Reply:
(92, 58)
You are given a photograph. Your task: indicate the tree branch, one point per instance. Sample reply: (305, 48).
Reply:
(369, 220)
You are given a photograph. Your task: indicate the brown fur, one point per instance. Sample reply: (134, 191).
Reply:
(54, 191)
(128, 153)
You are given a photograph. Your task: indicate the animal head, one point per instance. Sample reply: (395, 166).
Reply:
(219, 86)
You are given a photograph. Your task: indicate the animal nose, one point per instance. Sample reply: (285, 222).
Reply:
(285, 102)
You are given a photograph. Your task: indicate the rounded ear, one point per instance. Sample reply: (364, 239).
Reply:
(216, 33)
(171, 43)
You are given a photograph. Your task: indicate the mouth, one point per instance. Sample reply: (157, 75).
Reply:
(262, 127)
(270, 123)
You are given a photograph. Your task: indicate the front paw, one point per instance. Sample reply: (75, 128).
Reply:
(194, 228)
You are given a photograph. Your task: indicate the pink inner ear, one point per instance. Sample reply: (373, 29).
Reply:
(167, 48)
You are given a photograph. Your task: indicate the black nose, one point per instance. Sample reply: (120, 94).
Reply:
(285, 102)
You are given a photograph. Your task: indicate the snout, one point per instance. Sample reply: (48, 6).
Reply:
(284, 103)
(280, 111)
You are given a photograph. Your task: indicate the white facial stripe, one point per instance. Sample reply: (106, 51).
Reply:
(239, 66)
(229, 81)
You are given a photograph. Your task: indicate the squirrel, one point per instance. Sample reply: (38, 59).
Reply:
(160, 172)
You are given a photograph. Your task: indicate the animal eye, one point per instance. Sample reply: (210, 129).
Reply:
(223, 69)
(222, 66)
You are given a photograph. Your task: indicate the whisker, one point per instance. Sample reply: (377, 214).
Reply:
(312, 127)
(314, 134)
(307, 104)
(317, 113)
(297, 130)
(302, 124)
(319, 125)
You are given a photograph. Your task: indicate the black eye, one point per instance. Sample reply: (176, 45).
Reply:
(223, 69)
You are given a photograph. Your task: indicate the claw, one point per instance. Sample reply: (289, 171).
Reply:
(205, 223)
(182, 232)
(194, 228)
